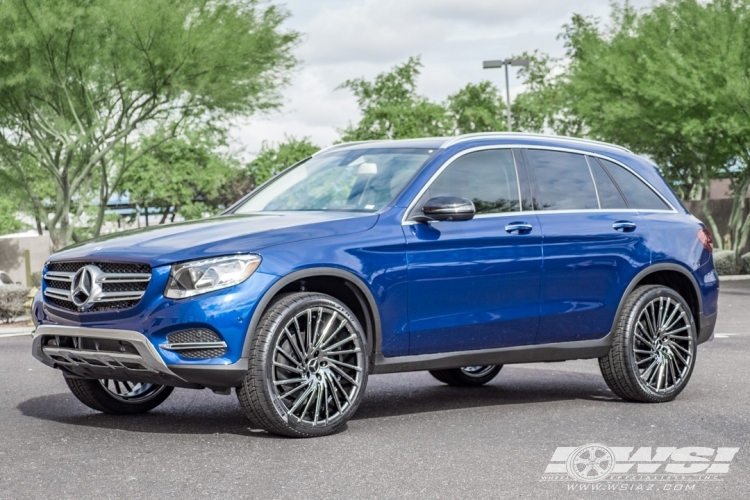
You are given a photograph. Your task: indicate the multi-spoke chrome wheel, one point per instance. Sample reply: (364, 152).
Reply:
(308, 367)
(131, 392)
(654, 346)
(663, 344)
(467, 376)
(317, 366)
(116, 397)
(477, 371)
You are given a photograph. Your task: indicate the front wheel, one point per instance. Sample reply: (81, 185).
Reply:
(653, 353)
(467, 376)
(308, 368)
(116, 397)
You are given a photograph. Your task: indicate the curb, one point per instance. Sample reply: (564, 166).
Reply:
(735, 277)
(20, 334)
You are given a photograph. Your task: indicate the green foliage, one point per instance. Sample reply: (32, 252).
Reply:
(9, 223)
(182, 176)
(745, 260)
(12, 299)
(542, 106)
(669, 83)
(80, 79)
(477, 108)
(273, 160)
(725, 262)
(392, 109)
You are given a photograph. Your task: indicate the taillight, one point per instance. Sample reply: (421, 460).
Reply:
(705, 238)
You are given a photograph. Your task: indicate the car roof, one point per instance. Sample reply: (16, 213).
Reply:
(424, 143)
(500, 137)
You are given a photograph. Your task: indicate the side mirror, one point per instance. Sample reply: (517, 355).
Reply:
(448, 208)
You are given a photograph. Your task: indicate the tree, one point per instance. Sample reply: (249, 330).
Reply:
(274, 160)
(669, 83)
(478, 107)
(181, 177)
(543, 105)
(9, 223)
(80, 80)
(392, 109)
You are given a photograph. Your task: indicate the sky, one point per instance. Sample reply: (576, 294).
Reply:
(345, 39)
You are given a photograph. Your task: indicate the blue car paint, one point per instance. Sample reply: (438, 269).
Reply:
(394, 260)
(472, 285)
(587, 267)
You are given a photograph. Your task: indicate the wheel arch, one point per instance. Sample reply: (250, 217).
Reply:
(671, 275)
(339, 283)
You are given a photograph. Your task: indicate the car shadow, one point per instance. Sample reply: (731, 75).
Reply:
(520, 387)
(202, 412)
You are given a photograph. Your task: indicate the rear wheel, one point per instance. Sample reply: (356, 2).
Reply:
(467, 376)
(116, 397)
(653, 353)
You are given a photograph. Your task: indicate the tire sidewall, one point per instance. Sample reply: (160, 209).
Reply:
(632, 369)
(266, 352)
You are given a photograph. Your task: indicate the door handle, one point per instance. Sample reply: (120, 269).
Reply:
(519, 227)
(624, 226)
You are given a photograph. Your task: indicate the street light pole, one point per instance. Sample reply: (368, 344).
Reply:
(504, 64)
(507, 99)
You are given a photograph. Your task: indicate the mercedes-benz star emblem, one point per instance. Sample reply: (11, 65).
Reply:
(84, 287)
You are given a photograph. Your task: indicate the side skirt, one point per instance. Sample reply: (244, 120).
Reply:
(563, 351)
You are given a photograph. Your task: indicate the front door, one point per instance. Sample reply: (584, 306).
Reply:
(475, 284)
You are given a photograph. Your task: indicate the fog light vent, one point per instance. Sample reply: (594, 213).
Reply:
(196, 343)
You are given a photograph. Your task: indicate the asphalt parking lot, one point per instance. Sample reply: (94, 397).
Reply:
(412, 437)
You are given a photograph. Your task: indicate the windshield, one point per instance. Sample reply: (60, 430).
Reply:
(359, 180)
(5, 279)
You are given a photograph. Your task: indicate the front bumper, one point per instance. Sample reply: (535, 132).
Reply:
(102, 353)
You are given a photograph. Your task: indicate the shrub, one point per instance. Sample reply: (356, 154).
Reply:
(745, 260)
(12, 299)
(725, 262)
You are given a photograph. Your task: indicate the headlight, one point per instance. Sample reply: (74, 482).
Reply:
(201, 276)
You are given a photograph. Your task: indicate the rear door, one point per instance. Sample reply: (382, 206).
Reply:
(475, 284)
(594, 244)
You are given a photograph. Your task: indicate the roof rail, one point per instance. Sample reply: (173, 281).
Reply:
(341, 146)
(489, 135)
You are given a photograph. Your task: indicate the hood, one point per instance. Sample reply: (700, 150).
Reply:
(216, 236)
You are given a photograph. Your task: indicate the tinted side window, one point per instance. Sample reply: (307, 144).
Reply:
(488, 178)
(563, 179)
(609, 195)
(638, 194)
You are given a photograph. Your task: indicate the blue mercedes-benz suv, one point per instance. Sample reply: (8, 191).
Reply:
(454, 255)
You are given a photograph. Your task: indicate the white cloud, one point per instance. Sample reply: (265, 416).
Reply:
(354, 38)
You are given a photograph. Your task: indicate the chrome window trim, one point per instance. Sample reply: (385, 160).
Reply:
(410, 207)
(593, 181)
(518, 183)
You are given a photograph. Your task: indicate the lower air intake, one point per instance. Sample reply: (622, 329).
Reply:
(196, 343)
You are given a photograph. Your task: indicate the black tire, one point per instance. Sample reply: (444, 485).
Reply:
(467, 377)
(263, 394)
(93, 394)
(637, 355)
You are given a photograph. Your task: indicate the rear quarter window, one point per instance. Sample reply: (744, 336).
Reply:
(637, 193)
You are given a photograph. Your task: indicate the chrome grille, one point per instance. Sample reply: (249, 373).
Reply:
(116, 285)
